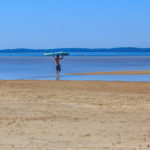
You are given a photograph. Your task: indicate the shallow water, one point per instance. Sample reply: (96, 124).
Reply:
(137, 78)
(43, 68)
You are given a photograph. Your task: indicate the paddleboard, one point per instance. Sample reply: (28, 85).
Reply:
(56, 53)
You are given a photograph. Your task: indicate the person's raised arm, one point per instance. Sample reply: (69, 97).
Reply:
(62, 57)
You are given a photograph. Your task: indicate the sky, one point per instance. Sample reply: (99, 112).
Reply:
(74, 23)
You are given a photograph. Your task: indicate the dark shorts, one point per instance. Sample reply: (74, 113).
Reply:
(58, 69)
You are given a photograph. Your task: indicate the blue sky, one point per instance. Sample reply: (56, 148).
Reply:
(74, 23)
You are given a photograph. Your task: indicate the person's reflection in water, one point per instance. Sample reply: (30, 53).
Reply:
(57, 77)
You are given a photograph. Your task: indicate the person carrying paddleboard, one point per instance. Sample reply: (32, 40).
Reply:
(57, 59)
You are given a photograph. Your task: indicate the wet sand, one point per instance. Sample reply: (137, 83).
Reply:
(115, 73)
(74, 115)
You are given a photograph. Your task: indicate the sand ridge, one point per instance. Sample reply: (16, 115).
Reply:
(115, 73)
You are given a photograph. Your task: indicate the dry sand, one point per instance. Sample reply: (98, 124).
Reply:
(115, 73)
(74, 115)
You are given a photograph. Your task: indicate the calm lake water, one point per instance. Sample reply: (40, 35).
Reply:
(81, 54)
(43, 68)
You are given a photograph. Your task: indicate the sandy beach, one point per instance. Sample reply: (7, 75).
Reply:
(74, 115)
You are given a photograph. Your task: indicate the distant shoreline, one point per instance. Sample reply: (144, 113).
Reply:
(118, 49)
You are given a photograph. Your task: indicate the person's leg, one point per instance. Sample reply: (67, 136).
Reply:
(57, 69)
